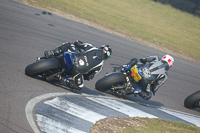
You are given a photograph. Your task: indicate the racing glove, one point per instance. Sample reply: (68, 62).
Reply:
(143, 60)
(79, 44)
(48, 53)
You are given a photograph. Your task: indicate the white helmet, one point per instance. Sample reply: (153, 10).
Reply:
(169, 59)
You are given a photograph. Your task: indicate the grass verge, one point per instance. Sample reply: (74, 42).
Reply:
(162, 126)
(141, 125)
(154, 24)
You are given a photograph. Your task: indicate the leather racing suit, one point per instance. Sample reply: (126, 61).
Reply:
(88, 61)
(155, 73)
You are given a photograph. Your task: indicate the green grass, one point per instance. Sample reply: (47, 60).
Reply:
(153, 22)
(162, 126)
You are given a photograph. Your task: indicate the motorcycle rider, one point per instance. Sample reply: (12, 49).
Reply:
(153, 78)
(88, 61)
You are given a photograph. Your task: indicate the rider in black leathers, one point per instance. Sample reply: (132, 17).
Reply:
(88, 61)
(159, 74)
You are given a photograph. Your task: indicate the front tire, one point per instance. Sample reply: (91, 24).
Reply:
(42, 66)
(192, 101)
(105, 83)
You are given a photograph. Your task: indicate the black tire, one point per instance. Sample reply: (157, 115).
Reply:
(192, 100)
(42, 66)
(108, 81)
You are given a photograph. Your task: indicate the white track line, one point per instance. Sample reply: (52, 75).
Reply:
(188, 118)
(75, 110)
(30, 107)
(121, 107)
(51, 126)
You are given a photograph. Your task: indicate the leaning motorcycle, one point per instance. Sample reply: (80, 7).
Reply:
(193, 100)
(121, 82)
(51, 67)
(125, 82)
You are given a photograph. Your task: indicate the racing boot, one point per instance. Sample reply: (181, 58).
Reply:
(70, 83)
(146, 95)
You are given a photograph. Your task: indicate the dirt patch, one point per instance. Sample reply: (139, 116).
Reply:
(141, 125)
(116, 124)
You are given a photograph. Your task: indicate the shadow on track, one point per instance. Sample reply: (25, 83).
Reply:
(89, 91)
(137, 99)
(86, 90)
(58, 84)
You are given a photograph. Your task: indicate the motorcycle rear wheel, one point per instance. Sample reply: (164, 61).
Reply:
(192, 101)
(42, 66)
(113, 79)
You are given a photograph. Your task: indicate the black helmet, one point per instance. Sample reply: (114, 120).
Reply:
(107, 51)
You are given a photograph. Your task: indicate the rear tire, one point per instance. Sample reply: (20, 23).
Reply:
(192, 100)
(42, 66)
(105, 83)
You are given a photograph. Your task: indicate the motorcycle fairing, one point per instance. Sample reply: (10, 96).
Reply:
(152, 70)
(68, 58)
(137, 73)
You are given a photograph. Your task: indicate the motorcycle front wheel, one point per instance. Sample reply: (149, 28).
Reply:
(42, 66)
(113, 79)
(193, 100)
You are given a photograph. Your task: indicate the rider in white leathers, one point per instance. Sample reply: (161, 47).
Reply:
(154, 72)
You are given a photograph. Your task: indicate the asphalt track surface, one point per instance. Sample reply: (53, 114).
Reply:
(25, 32)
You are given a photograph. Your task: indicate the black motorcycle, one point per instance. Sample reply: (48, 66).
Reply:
(193, 100)
(122, 82)
(127, 82)
(51, 67)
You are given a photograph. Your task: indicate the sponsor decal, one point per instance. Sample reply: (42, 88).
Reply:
(81, 62)
(86, 60)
